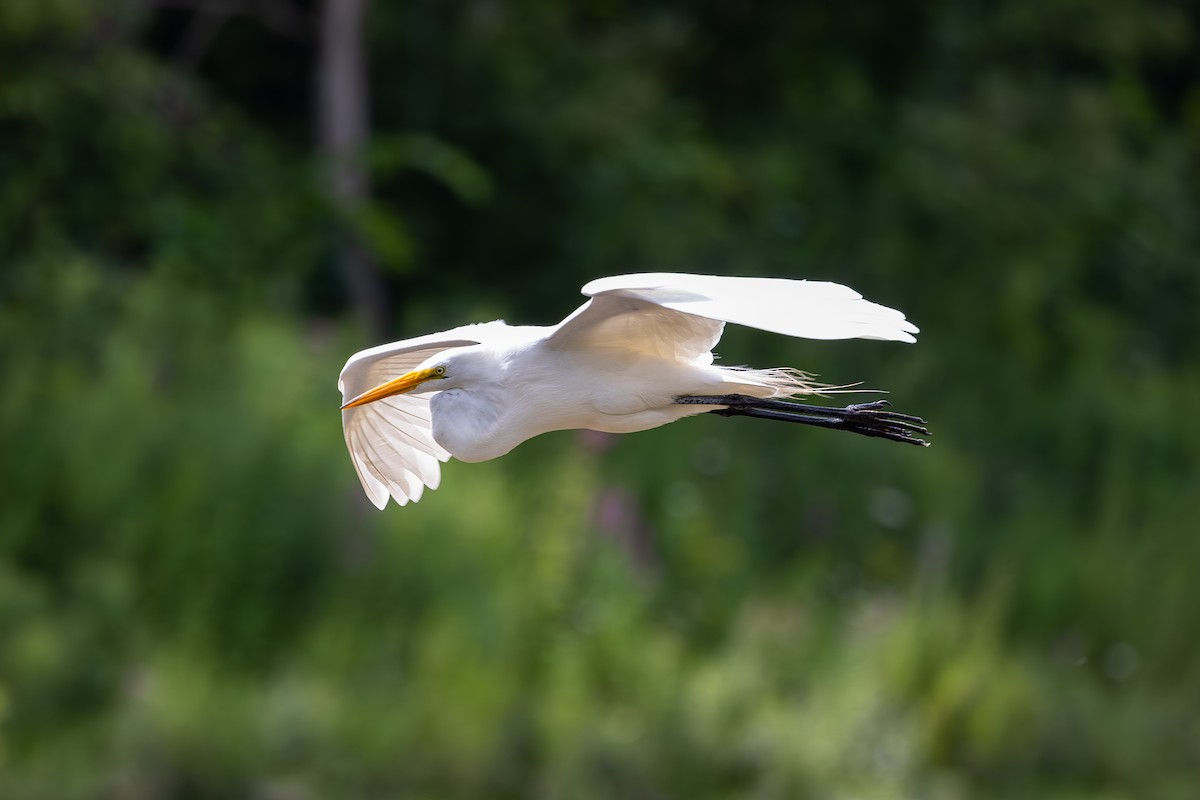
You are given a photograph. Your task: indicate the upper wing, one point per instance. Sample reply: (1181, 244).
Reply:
(636, 323)
(682, 316)
(391, 440)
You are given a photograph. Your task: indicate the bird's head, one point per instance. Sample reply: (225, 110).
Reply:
(448, 370)
(427, 377)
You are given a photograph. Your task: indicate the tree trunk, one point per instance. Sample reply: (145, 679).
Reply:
(342, 129)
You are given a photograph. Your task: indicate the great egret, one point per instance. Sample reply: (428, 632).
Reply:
(635, 356)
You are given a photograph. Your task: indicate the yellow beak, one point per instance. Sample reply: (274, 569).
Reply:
(405, 383)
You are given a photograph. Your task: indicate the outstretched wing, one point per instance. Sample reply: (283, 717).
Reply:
(682, 316)
(391, 440)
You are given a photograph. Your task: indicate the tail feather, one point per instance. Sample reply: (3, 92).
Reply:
(788, 382)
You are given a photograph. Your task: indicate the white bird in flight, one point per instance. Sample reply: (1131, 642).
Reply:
(636, 355)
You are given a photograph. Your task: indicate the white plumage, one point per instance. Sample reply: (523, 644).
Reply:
(619, 363)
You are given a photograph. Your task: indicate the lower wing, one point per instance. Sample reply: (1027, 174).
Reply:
(391, 440)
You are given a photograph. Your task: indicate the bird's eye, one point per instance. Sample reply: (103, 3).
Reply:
(440, 371)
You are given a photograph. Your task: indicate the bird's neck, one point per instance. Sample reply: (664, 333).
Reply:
(468, 423)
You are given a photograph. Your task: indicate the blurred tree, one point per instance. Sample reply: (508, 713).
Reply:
(342, 128)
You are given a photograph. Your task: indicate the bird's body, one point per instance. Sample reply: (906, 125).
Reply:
(636, 356)
(561, 393)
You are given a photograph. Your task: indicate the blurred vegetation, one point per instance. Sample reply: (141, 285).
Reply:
(196, 601)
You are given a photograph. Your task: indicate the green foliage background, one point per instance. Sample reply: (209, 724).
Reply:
(196, 601)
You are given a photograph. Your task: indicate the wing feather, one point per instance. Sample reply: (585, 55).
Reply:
(808, 309)
(629, 323)
(371, 482)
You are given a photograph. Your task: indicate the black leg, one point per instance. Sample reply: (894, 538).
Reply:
(866, 419)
